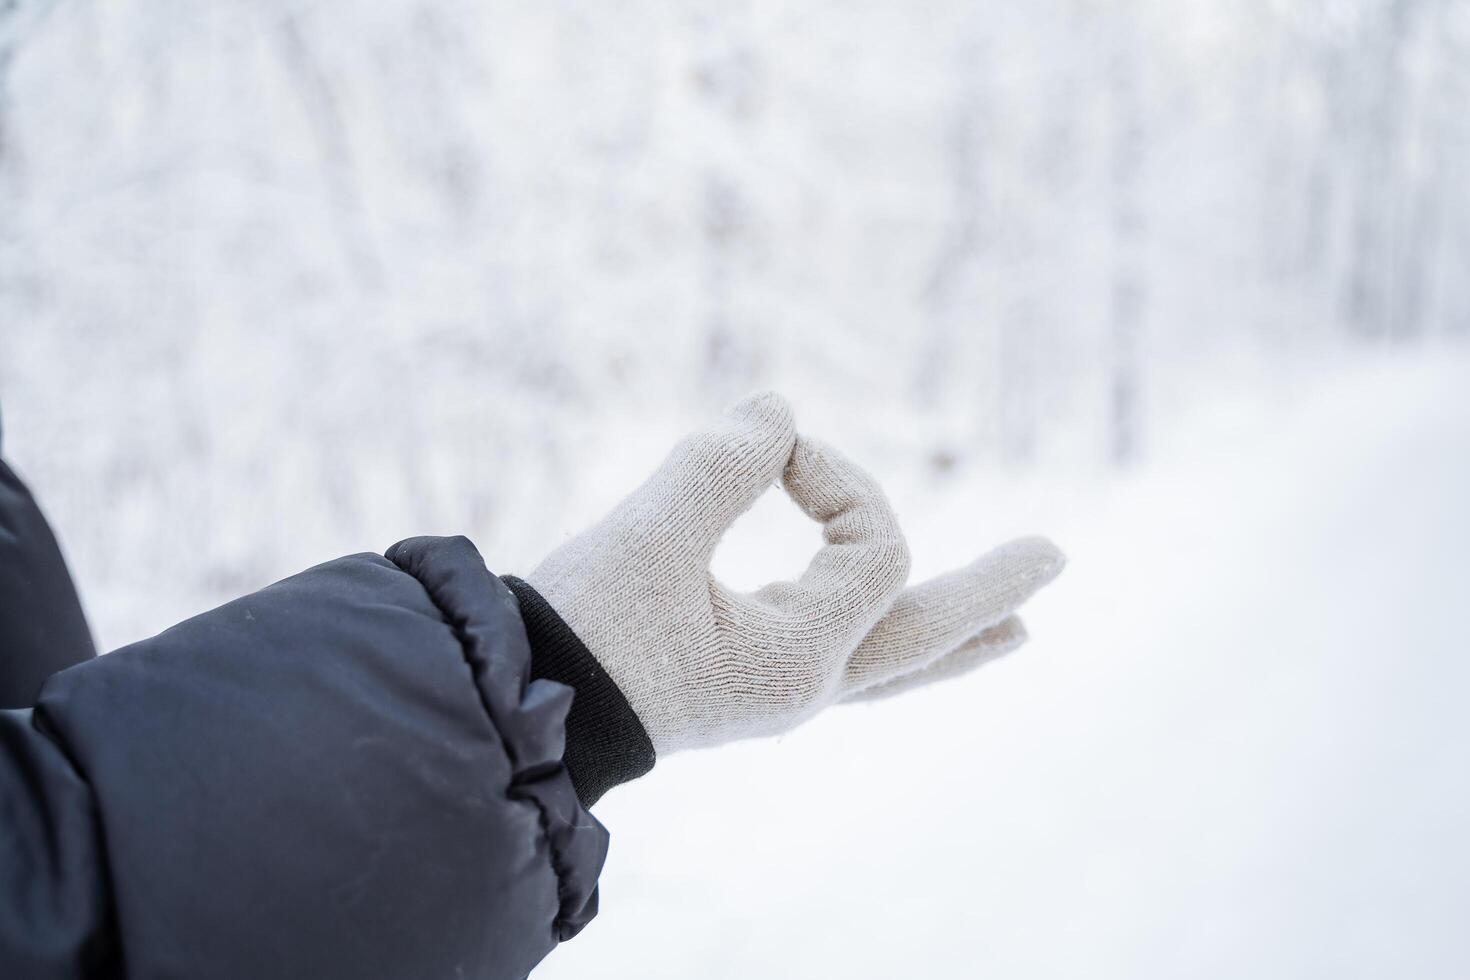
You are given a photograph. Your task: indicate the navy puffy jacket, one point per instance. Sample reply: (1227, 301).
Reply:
(350, 773)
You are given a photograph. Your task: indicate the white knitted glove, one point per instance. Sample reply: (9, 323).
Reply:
(701, 664)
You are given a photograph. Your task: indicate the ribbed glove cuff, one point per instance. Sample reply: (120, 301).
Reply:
(606, 743)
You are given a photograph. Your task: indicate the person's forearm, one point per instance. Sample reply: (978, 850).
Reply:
(42, 629)
(350, 773)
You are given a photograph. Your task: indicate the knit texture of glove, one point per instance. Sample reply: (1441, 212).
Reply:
(701, 664)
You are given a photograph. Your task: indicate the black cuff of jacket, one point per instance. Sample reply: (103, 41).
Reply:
(606, 743)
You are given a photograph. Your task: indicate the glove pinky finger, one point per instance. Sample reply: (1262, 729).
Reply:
(988, 645)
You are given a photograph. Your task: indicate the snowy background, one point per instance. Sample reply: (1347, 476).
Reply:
(1182, 284)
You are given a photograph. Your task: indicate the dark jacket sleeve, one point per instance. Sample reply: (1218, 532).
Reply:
(42, 629)
(350, 773)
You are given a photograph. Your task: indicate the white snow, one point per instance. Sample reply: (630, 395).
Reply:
(1179, 283)
(1235, 745)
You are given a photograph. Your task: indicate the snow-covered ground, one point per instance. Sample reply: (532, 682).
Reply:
(1236, 745)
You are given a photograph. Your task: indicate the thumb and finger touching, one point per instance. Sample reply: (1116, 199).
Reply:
(702, 663)
(716, 473)
(849, 583)
(851, 589)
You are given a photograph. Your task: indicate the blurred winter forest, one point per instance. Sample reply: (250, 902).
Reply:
(284, 280)
(445, 233)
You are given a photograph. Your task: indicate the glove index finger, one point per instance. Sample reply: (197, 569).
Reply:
(852, 579)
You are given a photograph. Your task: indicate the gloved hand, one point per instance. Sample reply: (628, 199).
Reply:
(701, 664)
